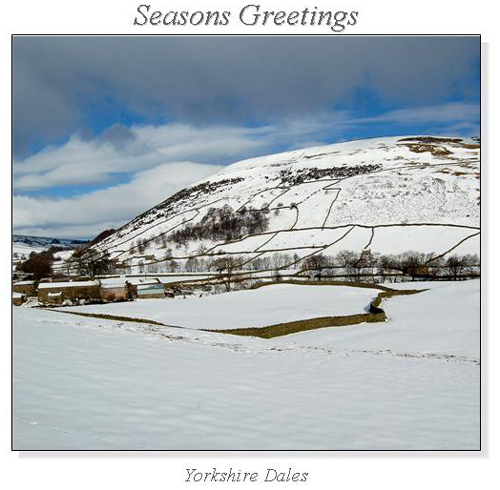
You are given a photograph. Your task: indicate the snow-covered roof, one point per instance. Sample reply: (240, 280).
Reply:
(113, 285)
(144, 287)
(73, 284)
(17, 295)
(114, 282)
(136, 281)
(24, 283)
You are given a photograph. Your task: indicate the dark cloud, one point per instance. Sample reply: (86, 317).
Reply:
(118, 135)
(202, 80)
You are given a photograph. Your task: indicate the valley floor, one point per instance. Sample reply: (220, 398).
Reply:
(409, 383)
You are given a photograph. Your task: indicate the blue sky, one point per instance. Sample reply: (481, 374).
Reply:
(105, 128)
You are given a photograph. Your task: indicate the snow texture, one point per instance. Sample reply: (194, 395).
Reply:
(410, 383)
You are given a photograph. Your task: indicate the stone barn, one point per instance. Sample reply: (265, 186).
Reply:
(28, 288)
(18, 299)
(73, 290)
(115, 289)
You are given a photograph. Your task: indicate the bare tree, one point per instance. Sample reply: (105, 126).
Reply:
(456, 266)
(192, 264)
(348, 260)
(413, 264)
(225, 267)
(316, 263)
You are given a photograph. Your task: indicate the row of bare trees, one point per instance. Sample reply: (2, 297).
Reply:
(411, 264)
(345, 264)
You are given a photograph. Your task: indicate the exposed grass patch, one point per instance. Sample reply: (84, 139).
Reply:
(303, 325)
(436, 151)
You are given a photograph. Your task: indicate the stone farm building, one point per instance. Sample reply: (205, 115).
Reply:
(57, 292)
(105, 289)
(18, 299)
(28, 288)
(115, 289)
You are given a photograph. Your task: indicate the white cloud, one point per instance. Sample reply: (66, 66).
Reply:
(87, 215)
(82, 161)
(442, 113)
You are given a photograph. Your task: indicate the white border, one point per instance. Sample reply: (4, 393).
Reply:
(349, 470)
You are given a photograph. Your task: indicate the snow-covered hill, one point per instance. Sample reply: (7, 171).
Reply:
(388, 195)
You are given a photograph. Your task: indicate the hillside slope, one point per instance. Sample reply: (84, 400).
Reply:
(388, 195)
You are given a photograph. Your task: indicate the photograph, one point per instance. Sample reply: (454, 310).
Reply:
(246, 243)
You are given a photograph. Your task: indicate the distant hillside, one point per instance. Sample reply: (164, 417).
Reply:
(23, 245)
(47, 241)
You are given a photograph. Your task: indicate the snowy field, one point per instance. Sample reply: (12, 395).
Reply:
(443, 321)
(409, 383)
(253, 308)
